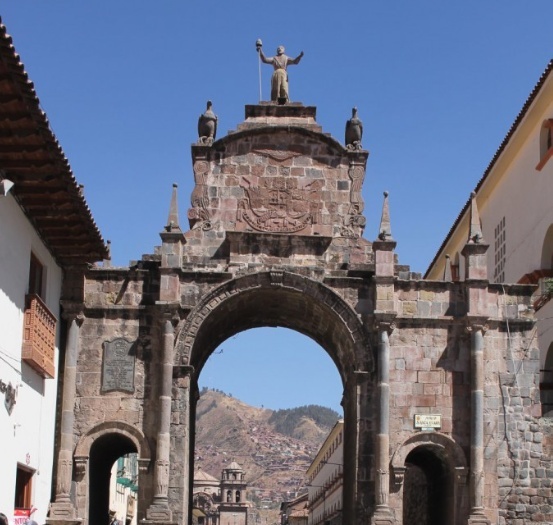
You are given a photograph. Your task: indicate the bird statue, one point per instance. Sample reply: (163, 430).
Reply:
(207, 126)
(354, 132)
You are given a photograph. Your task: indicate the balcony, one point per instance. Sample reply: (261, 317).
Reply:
(39, 337)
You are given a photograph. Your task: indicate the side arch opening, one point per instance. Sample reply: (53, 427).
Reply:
(428, 487)
(430, 471)
(104, 453)
(546, 384)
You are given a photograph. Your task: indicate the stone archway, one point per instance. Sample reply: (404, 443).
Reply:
(435, 467)
(289, 300)
(276, 239)
(94, 455)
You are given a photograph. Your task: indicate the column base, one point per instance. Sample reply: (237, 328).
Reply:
(158, 514)
(478, 519)
(157, 522)
(383, 516)
(63, 514)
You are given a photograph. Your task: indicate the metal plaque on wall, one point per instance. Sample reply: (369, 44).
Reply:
(118, 366)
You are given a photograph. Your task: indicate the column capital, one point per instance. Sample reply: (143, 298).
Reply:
(72, 312)
(399, 475)
(143, 464)
(80, 465)
(385, 322)
(181, 371)
(480, 325)
(168, 311)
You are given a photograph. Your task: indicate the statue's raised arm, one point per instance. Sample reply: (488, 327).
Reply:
(279, 80)
(295, 60)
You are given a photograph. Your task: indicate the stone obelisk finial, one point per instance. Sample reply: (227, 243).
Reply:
(474, 251)
(385, 231)
(173, 219)
(475, 232)
(448, 276)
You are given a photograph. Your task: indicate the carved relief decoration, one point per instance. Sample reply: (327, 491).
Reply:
(162, 477)
(279, 205)
(355, 221)
(277, 154)
(199, 215)
(65, 469)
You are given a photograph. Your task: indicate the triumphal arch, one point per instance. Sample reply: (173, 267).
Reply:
(440, 378)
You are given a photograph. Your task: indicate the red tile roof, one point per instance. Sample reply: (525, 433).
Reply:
(31, 157)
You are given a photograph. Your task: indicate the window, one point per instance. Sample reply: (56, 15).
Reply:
(546, 384)
(23, 488)
(546, 143)
(500, 249)
(36, 273)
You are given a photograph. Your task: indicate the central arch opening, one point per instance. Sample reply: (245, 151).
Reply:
(269, 397)
(286, 300)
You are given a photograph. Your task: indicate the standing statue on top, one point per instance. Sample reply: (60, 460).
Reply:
(279, 80)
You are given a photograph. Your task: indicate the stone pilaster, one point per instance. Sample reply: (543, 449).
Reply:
(477, 516)
(384, 316)
(383, 515)
(158, 511)
(183, 376)
(62, 510)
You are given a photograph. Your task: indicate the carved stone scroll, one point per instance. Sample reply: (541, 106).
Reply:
(198, 214)
(355, 221)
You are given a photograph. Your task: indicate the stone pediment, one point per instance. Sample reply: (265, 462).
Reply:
(277, 174)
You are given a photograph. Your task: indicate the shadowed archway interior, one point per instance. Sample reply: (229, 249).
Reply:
(428, 488)
(103, 453)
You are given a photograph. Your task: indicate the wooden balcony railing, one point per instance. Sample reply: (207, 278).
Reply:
(39, 337)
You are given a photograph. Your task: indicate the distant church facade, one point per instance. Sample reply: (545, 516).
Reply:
(440, 377)
(220, 501)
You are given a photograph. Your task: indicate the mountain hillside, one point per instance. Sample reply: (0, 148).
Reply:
(275, 448)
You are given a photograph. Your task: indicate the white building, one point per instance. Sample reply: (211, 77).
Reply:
(45, 228)
(325, 480)
(123, 489)
(514, 198)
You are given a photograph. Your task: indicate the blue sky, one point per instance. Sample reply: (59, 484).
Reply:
(437, 85)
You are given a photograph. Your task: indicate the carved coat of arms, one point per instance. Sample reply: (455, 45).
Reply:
(278, 205)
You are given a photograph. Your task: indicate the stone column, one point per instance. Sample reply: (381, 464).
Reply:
(385, 313)
(62, 510)
(477, 516)
(159, 509)
(183, 375)
(382, 465)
